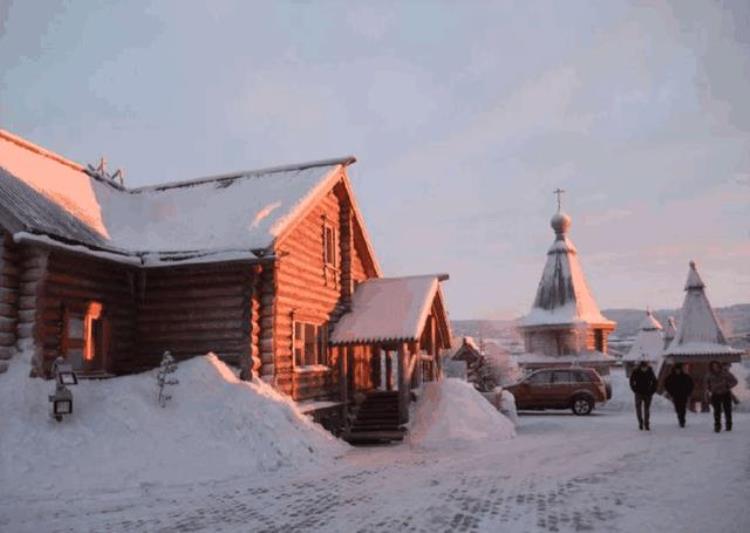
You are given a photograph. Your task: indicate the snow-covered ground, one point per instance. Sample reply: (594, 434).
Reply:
(560, 473)
(214, 427)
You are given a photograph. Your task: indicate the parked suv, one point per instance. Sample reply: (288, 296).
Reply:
(561, 388)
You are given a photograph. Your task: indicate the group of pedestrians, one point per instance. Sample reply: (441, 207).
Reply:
(679, 385)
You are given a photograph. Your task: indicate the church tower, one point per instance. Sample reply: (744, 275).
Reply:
(564, 325)
(699, 338)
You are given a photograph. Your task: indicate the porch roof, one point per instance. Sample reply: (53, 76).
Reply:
(389, 309)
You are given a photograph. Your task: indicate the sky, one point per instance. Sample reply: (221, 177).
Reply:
(464, 117)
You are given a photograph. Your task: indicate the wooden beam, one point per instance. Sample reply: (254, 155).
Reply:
(388, 370)
(404, 391)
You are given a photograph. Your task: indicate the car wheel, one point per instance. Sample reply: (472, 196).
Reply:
(582, 405)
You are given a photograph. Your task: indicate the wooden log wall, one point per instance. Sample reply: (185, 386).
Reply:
(70, 282)
(312, 291)
(267, 317)
(562, 341)
(9, 282)
(191, 310)
(32, 265)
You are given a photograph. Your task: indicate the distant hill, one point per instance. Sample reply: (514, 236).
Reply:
(735, 320)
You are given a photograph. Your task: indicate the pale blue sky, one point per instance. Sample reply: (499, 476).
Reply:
(464, 117)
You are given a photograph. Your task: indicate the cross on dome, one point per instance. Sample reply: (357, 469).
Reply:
(559, 192)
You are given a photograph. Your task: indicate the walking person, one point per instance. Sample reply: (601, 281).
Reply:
(643, 384)
(719, 384)
(679, 385)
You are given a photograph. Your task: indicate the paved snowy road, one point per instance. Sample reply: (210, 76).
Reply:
(561, 473)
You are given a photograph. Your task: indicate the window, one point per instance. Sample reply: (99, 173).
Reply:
(562, 376)
(310, 344)
(329, 245)
(94, 332)
(540, 378)
(582, 377)
(84, 337)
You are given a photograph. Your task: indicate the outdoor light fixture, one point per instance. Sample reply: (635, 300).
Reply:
(61, 402)
(64, 373)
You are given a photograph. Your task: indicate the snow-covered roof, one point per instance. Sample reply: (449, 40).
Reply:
(563, 296)
(698, 332)
(469, 341)
(649, 322)
(649, 341)
(226, 215)
(580, 358)
(388, 309)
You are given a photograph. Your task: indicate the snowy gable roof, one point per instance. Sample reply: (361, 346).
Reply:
(46, 194)
(388, 309)
(698, 331)
(563, 296)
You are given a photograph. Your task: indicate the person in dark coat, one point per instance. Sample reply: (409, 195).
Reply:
(643, 384)
(679, 386)
(719, 384)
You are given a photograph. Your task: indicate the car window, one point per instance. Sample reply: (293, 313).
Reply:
(561, 376)
(540, 378)
(582, 377)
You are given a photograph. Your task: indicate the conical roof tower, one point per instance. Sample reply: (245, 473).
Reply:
(699, 334)
(564, 324)
(649, 341)
(563, 296)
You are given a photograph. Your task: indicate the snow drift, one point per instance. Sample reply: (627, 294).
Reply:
(214, 427)
(452, 414)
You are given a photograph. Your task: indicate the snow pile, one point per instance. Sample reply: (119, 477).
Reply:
(452, 414)
(215, 427)
(508, 406)
(742, 391)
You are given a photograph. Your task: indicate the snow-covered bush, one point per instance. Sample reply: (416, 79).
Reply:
(504, 367)
(482, 375)
(163, 380)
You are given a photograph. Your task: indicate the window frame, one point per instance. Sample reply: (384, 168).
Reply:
(88, 343)
(309, 353)
(329, 244)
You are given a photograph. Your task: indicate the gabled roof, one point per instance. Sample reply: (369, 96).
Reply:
(698, 331)
(563, 296)
(217, 218)
(463, 348)
(389, 309)
(649, 341)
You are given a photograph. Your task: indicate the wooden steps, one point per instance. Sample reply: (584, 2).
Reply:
(377, 420)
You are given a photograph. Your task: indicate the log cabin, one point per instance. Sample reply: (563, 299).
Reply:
(273, 270)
